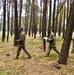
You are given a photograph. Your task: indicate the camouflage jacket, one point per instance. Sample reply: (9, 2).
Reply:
(22, 38)
(51, 39)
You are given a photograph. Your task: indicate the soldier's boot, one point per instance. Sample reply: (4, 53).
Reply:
(18, 53)
(56, 51)
(29, 56)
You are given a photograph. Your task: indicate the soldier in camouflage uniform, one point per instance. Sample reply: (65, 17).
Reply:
(52, 40)
(21, 44)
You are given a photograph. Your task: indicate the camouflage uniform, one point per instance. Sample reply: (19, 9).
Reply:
(52, 41)
(21, 45)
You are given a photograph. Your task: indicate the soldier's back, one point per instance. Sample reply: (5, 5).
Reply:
(22, 35)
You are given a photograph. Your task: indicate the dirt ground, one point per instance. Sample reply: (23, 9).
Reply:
(39, 64)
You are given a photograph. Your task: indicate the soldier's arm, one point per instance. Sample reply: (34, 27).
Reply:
(18, 40)
(48, 40)
(51, 39)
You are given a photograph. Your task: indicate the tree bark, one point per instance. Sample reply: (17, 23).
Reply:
(12, 22)
(66, 43)
(44, 23)
(64, 16)
(4, 21)
(8, 21)
(16, 25)
(50, 13)
(53, 21)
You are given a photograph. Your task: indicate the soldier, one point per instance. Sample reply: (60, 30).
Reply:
(21, 43)
(51, 39)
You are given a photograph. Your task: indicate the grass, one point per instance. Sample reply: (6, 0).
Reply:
(39, 64)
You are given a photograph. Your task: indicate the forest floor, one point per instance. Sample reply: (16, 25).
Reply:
(39, 64)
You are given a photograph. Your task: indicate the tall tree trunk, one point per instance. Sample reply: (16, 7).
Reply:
(53, 21)
(50, 11)
(64, 20)
(60, 21)
(66, 43)
(8, 21)
(30, 25)
(16, 25)
(67, 12)
(56, 22)
(20, 13)
(40, 26)
(26, 18)
(19, 24)
(27, 15)
(44, 23)
(12, 22)
(4, 21)
(34, 19)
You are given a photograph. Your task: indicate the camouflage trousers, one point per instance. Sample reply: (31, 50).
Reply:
(24, 49)
(51, 46)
